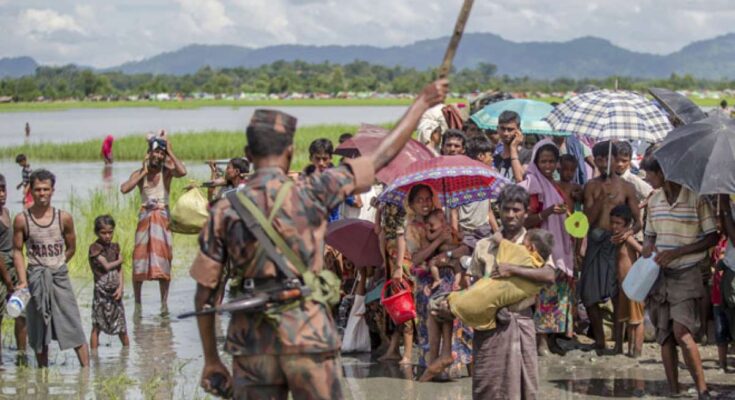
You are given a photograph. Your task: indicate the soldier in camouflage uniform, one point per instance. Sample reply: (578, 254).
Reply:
(299, 353)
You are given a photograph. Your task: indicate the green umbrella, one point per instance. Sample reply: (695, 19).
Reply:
(532, 114)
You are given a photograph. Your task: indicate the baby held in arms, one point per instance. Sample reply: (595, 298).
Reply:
(478, 305)
(437, 225)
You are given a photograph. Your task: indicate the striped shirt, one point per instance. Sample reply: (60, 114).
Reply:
(26, 175)
(686, 221)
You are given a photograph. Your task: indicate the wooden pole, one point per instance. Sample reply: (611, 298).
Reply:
(464, 14)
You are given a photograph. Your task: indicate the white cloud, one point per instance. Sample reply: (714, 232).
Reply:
(93, 32)
(206, 16)
(46, 21)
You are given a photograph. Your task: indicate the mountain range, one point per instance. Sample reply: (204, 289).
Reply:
(586, 57)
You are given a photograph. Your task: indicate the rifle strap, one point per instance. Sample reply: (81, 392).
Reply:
(262, 228)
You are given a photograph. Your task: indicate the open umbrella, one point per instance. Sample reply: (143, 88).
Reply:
(367, 139)
(701, 155)
(532, 115)
(611, 115)
(679, 107)
(356, 240)
(458, 180)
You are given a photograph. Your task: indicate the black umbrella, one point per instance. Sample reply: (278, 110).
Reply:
(701, 155)
(680, 108)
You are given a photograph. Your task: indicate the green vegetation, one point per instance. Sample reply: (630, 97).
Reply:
(124, 209)
(188, 146)
(70, 82)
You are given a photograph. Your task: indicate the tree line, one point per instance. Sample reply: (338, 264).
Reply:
(71, 82)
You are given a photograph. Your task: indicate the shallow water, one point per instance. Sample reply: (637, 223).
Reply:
(82, 124)
(80, 178)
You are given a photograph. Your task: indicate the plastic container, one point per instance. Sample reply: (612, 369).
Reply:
(400, 306)
(18, 302)
(640, 279)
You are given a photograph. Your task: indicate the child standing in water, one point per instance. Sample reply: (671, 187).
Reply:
(108, 314)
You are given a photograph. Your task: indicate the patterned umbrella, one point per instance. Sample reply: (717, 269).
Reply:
(457, 180)
(532, 114)
(368, 138)
(605, 114)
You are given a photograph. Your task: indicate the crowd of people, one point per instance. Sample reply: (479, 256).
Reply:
(633, 212)
(438, 254)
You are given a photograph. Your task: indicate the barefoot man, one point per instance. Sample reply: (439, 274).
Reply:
(50, 242)
(680, 229)
(598, 281)
(153, 242)
(506, 361)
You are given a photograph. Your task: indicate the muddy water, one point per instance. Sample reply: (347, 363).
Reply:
(164, 358)
(164, 362)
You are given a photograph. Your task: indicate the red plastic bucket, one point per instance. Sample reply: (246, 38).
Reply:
(400, 305)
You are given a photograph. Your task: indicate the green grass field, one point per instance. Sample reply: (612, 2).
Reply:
(193, 104)
(194, 146)
(124, 209)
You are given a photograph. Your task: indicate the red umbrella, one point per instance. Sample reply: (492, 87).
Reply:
(366, 141)
(356, 240)
(457, 180)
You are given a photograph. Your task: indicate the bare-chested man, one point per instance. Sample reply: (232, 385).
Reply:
(598, 281)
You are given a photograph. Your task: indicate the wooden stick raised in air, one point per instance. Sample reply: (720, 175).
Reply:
(464, 14)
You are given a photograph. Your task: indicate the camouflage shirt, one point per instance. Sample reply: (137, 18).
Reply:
(302, 221)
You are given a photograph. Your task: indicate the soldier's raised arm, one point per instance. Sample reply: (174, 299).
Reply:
(433, 94)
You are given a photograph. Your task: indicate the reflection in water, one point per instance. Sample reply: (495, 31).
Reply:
(107, 182)
(365, 378)
(159, 364)
(629, 382)
(156, 357)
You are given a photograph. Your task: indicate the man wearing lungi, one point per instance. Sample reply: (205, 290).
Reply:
(50, 241)
(680, 228)
(598, 281)
(153, 241)
(506, 361)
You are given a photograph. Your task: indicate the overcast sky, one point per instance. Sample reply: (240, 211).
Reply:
(104, 33)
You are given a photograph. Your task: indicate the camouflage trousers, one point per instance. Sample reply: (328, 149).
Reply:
(306, 376)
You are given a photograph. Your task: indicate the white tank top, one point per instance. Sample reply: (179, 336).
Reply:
(45, 245)
(157, 192)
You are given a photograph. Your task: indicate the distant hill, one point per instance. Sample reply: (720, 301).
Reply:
(586, 57)
(14, 67)
(188, 60)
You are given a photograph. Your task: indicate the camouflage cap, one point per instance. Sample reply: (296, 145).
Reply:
(274, 121)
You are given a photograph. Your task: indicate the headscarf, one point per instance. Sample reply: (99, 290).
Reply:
(431, 119)
(452, 117)
(536, 183)
(107, 145)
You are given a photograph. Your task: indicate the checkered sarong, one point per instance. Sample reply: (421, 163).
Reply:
(605, 114)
